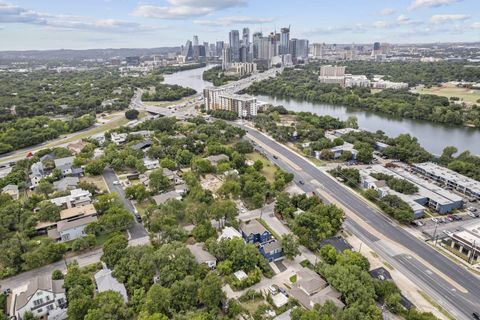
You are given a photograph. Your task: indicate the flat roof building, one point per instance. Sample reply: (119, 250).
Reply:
(449, 178)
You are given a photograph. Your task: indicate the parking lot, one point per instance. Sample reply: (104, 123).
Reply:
(445, 225)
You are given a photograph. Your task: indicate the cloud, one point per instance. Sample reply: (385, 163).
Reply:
(416, 4)
(357, 28)
(387, 12)
(185, 9)
(10, 13)
(445, 18)
(404, 20)
(227, 21)
(382, 24)
(475, 25)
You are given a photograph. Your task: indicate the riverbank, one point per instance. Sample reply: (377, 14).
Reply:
(433, 136)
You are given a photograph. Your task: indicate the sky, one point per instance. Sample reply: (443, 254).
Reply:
(84, 24)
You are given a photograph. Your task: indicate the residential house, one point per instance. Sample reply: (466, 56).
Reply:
(48, 157)
(181, 188)
(164, 197)
(77, 147)
(229, 233)
(272, 250)
(142, 133)
(142, 145)
(215, 159)
(12, 190)
(310, 289)
(37, 174)
(67, 183)
(240, 275)
(70, 230)
(100, 138)
(105, 282)
(339, 243)
(202, 256)
(77, 197)
(42, 297)
(74, 213)
(118, 138)
(151, 164)
(254, 232)
(64, 165)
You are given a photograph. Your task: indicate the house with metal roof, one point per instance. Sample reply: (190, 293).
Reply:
(105, 282)
(254, 232)
(202, 256)
(67, 183)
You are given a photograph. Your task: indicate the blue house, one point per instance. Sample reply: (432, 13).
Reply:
(272, 250)
(254, 232)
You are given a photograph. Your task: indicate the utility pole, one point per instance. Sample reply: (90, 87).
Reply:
(435, 234)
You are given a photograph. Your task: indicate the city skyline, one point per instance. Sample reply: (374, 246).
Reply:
(27, 24)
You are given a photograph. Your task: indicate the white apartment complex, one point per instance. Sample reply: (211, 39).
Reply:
(221, 99)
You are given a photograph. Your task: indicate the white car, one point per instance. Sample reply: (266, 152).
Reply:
(435, 220)
(116, 182)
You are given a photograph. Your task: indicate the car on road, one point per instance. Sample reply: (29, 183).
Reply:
(275, 157)
(116, 182)
(476, 316)
(273, 289)
(448, 233)
(419, 223)
(301, 182)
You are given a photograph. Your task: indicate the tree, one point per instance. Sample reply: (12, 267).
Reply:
(44, 187)
(137, 192)
(258, 165)
(48, 211)
(210, 292)
(327, 154)
(243, 146)
(131, 114)
(158, 182)
(57, 274)
(168, 163)
(95, 167)
(108, 305)
(203, 231)
(113, 249)
(158, 300)
(290, 246)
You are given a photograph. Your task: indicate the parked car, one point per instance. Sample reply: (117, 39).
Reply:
(448, 233)
(456, 217)
(476, 316)
(442, 220)
(116, 182)
(450, 218)
(472, 209)
(419, 223)
(273, 289)
(435, 220)
(471, 214)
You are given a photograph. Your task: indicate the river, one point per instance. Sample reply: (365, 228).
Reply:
(432, 136)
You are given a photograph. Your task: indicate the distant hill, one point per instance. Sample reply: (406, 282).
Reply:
(78, 55)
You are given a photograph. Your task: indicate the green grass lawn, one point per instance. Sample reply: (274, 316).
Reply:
(467, 95)
(268, 168)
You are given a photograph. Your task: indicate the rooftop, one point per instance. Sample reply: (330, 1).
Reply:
(66, 225)
(164, 197)
(253, 227)
(200, 254)
(38, 283)
(105, 281)
(67, 161)
(87, 210)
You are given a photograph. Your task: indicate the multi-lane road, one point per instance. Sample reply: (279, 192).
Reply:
(437, 277)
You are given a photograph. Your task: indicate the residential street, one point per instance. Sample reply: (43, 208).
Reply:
(138, 230)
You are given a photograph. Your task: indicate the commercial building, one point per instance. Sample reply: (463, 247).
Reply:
(234, 42)
(385, 84)
(467, 241)
(428, 194)
(332, 74)
(241, 68)
(242, 105)
(211, 96)
(357, 81)
(449, 179)
(284, 41)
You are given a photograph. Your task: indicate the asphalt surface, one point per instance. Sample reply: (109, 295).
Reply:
(460, 304)
(138, 230)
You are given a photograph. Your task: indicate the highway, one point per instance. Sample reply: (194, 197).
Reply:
(459, 304)
(137, 231)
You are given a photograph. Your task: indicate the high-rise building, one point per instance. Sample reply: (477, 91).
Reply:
(212, 50)
(226, 58)
(246, 36)
(133, 61)
(284, 40)
(219, 48)
(188, 50)
(234, 42)
(292, 49)
(302, 48)
(318, 50)
(243, 54)
(255, 44)
(195, 40)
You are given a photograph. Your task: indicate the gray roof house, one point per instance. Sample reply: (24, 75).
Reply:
(202, 256)
(164, 197)
(67, 183)
(105, 281)
(215, 159)
(42, 296)
(12, 190)
(71, 230)
(64, 161)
